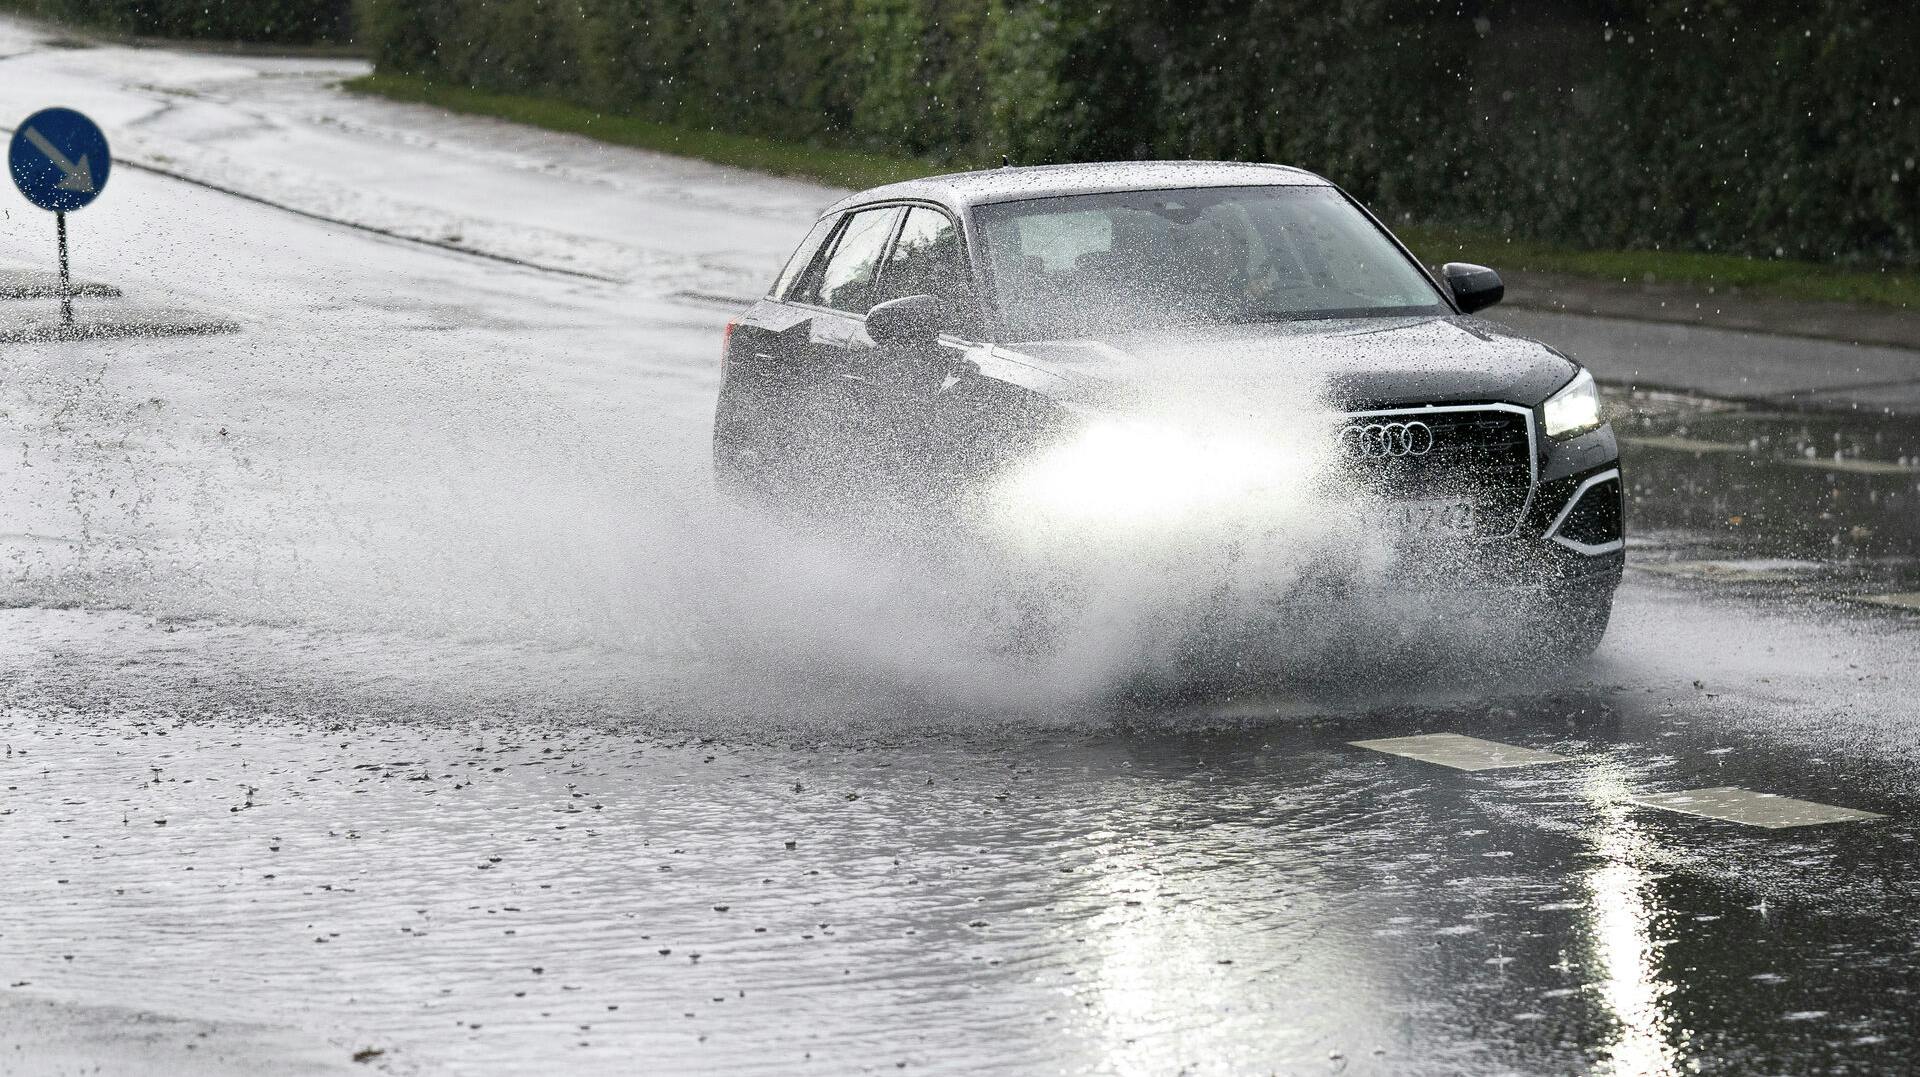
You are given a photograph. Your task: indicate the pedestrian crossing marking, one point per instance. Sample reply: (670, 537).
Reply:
(1459, 751)
(1736, 805)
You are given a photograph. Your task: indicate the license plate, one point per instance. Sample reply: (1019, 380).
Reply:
(1448, 518)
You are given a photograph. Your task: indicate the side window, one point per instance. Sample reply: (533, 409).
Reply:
(925, 260)
(845, 281)
(802, 257)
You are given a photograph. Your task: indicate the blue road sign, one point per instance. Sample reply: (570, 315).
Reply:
(59, 159)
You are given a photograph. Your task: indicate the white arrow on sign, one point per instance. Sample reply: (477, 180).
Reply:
(73, 177)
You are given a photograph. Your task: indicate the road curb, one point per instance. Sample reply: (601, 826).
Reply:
(159, 322)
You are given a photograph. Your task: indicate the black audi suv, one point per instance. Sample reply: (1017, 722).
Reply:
(928, 337)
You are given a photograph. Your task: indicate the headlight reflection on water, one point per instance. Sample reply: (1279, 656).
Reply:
(1629, 978)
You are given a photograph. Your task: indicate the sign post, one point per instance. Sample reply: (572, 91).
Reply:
(59, 160)
(66, 278)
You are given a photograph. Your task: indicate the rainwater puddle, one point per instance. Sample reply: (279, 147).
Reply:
(561, 885)
(1744, 495)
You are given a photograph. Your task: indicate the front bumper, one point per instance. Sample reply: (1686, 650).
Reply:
(1573, 530)
(1551, 510)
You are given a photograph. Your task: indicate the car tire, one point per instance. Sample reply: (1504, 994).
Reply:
(738, 474)
(731, 479)
(1570, 623)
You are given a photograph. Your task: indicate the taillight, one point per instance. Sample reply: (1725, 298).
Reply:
(726, 343)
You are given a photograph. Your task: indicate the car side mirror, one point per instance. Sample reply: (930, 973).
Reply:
(1473, 287)
(910, 323)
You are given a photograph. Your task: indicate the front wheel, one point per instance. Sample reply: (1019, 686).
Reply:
(1568, 623)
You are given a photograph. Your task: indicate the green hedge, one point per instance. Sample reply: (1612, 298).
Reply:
(290, 22)
(1768, 128)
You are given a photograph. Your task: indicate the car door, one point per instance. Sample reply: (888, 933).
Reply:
(892, 393)
(782, 359)
(755, 437)
(827, 404)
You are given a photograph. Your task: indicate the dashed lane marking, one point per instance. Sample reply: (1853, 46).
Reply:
(713, 299)
(1854, 465)
(1459, 751)
(1735, 805)
(1778, 570)
(1693, 445)
(1850, 464)
(1906, 601)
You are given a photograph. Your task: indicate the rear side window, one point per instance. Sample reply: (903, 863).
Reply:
(845, 280)
(925, 259)
(802, 257)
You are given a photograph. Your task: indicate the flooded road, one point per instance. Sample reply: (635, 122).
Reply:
(1791, 495)
(383, 688)
(487, 887)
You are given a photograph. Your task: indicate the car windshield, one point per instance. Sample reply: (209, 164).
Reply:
(1080, 265)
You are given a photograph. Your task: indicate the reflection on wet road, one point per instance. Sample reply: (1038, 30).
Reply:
(1209, 892)
(1724, 491)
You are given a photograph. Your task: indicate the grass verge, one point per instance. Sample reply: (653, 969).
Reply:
(1805, 281)
(841, 168)
(1776, 278)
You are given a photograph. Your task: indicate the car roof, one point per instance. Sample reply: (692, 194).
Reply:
(962, 190)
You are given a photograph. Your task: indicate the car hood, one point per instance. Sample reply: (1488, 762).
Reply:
(1352, 364)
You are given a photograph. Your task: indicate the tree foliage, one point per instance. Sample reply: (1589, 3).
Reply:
(1766, 127)
(295, 22)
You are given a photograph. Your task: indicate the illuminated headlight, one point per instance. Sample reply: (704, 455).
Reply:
(1574, 408)
(1123, 472)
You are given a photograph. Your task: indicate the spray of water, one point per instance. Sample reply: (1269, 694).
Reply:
(1210, 529)
(1207, 536)
(1213, 536)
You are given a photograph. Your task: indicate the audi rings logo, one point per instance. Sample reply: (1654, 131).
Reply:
(1378, 441)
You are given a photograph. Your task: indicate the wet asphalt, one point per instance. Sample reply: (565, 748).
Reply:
(1231, 888)
(379, 691)
(270, 845)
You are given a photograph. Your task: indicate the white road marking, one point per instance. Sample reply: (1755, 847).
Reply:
(1762, 570)
(1909, 600)
(1735, 805)
(1693, 445)
(1460, 752)
(1854, 465)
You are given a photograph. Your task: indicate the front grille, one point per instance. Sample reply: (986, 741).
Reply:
(1484, 455)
